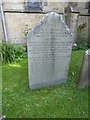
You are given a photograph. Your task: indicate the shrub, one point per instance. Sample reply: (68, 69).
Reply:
(20, 51)
(8, 54)
(11, 53)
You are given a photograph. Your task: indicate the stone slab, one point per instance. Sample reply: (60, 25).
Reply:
(49, 50)
(84, 78)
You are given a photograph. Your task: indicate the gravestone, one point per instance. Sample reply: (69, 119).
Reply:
(49, 50)
(84, 79)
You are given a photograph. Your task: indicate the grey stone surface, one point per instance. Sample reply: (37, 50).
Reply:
(84, 79)
(49, 50)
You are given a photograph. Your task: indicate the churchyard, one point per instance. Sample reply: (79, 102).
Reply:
(62, 101)
(44, 79)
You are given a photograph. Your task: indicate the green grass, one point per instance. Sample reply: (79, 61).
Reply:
(62, 101)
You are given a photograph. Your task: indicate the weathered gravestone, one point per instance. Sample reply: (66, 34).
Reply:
(49, 50)
(84, 79)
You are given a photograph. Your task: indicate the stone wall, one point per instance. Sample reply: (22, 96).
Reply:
(12, 5)
(83, 23)
(55, 6)
(17, 25)
(18, 22)
(78, 23)
(19, 5)
(83, 19)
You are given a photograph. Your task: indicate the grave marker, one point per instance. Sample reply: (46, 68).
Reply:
(84, 78)
(49, 51)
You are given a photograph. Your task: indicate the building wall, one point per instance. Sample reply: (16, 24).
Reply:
(17, 23)
(12, 5)
(52, 5)
(55, 6)
(83, 20)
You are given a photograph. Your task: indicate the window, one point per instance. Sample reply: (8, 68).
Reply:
(35, 5)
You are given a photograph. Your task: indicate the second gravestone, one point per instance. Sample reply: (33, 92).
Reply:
(49, 51)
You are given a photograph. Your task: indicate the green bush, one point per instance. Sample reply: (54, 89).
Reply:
(20, 51)
(11, 53)
(8, 54)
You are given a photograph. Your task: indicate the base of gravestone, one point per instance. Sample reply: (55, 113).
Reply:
(84, 78)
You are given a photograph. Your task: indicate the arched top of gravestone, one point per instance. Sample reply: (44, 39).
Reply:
(51, 23)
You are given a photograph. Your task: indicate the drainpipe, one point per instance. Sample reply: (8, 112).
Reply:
(3, 22)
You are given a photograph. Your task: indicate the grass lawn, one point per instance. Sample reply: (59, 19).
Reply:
(62, 101)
